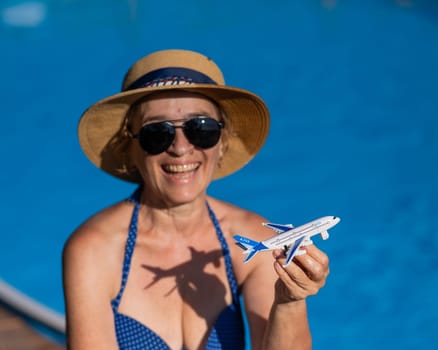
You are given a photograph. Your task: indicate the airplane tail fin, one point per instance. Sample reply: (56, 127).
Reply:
(251, 254)
(248, 245)
(245, 243)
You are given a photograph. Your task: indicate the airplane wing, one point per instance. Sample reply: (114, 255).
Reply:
(293, 250)
(279, 228)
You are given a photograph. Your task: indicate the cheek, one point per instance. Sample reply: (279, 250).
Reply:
(141, 161)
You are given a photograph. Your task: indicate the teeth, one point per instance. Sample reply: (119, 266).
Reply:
(172, 168)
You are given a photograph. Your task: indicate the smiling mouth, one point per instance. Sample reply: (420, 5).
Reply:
(180, 168)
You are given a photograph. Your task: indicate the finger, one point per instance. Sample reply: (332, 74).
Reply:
(292, 275)
(317, 254)
(278, 253)
(313, 268)
(295, 284)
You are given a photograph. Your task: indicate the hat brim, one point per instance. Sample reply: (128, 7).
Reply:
(245, 111)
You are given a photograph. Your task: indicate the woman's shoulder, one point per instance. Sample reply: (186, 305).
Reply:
(94, 252)
(102, 235)
(235, 219)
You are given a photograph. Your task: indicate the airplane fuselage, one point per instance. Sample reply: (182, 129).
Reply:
(310, 229)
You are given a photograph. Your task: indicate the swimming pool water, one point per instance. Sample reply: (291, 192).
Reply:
(352, 89)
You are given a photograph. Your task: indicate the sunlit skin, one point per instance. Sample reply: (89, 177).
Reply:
(183, 172)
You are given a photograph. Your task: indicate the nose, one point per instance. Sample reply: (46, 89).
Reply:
(180, 144)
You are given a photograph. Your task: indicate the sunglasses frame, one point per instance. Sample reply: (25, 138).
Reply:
(171, 129)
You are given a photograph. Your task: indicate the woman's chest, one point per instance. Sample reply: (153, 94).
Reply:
(178, 295)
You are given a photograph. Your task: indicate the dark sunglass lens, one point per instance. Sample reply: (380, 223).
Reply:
(203, 132)
(156, 137)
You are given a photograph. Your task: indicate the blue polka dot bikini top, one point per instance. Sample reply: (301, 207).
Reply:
(228, 330)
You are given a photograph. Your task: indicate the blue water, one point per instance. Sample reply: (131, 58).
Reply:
(352, 88)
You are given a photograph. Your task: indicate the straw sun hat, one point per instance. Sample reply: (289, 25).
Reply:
(102, 126)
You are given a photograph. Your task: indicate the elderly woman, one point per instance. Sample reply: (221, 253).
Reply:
(160, 269)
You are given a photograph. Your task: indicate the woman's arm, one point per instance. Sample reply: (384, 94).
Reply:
(275, 298)
(87, 291)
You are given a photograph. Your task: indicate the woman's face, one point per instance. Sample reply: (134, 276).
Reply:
(182, 173)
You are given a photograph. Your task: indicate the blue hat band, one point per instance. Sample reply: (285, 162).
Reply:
(170, 76)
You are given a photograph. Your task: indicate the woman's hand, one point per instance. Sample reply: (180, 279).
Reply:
(304, 276)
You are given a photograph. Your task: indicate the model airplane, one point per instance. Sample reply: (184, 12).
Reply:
(288, 238)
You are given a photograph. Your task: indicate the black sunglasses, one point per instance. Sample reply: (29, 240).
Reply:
(203, 132)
